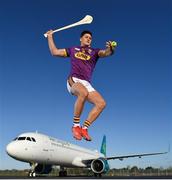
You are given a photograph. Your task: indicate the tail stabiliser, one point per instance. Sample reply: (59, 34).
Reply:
(103, 151)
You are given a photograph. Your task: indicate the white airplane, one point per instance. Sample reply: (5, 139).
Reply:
(42, 152)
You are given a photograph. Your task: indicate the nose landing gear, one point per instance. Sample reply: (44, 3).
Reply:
(32, 174)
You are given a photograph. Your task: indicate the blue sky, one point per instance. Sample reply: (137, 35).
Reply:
(135, 81)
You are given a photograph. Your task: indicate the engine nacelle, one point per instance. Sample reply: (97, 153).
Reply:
(43, 169)
(99, 166)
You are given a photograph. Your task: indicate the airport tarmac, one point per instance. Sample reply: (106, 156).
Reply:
(90, 177)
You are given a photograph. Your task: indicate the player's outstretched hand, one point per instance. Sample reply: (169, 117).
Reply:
(49, 33)
(111, 44)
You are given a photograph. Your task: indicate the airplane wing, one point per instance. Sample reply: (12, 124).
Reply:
(133, 155)
(88, 161)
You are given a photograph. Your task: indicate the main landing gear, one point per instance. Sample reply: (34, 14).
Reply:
(62, 172)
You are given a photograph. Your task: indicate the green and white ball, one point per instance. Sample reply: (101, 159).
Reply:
(113, 44)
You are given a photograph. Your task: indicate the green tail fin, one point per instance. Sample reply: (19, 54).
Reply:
(103, 146)
(103, 151)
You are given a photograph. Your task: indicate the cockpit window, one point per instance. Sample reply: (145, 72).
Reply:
(21, 138)
(25, 138)
(28, 138)
(33, 139)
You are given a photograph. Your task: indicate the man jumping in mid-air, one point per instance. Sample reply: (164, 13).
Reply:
(83, 61)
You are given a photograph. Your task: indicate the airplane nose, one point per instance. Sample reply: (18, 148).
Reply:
(16, 150)
(10, 149)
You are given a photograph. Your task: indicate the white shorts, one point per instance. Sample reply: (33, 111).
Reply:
(85, 83)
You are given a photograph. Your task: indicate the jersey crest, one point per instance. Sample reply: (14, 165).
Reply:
(82, 56)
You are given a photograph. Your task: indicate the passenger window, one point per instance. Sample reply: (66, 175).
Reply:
(33, 139)
(28, 138)
(21, 138)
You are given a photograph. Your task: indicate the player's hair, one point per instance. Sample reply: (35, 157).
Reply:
(86, 32)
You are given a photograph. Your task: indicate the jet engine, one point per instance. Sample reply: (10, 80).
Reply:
(98, 166)
(43, 169)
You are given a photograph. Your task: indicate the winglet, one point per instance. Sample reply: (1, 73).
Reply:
(169, 148)
(103, 146)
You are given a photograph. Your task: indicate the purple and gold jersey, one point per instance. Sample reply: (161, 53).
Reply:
(83, 61)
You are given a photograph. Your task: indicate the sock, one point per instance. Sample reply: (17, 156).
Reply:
(86, 124)
(76, 121)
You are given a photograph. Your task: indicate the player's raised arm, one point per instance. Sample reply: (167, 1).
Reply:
(110, 47)
(53, 49)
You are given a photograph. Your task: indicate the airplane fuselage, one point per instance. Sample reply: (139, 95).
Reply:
(48, 150)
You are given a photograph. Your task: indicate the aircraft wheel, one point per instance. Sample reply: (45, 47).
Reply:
(65, 173)
(32, 174)
(62, 173)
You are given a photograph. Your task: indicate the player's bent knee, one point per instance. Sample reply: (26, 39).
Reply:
(101, 105)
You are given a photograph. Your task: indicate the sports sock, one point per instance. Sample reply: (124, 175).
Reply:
(76, 121)
(86, 124)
